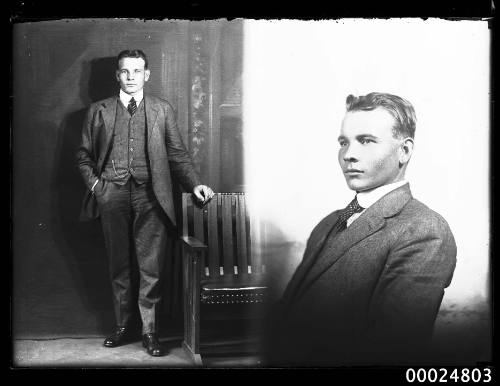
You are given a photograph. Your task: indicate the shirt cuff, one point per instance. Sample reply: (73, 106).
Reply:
(93, 186)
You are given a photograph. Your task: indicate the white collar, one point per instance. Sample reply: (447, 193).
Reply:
(125, 98)
(367, 199)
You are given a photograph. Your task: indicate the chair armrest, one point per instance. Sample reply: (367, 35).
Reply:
(193, 243)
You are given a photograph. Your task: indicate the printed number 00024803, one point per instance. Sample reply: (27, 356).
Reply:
(443, 375)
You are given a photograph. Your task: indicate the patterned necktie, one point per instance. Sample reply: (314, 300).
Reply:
(132, 106)
(347, 212)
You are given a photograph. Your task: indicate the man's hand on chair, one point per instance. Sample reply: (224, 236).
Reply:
(203, 193)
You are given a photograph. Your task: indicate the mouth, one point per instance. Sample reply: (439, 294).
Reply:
(353, 172)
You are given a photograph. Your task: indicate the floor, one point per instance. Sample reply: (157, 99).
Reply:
(90, 353)
(461, 337)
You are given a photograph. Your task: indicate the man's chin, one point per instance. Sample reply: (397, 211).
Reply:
(130, 90)
(358, 187)
(355, 185)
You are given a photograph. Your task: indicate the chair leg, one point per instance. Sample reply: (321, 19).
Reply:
(191, 343)
(196, 358)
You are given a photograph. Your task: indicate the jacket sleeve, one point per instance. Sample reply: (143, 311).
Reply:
(85, 154)
(179, 159)
(408, 295)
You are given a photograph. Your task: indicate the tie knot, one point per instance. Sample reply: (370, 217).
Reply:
(350, 209)
(355, 205)
(132, 106)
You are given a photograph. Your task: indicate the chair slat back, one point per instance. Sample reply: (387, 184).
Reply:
(227, 232)
(223, 225)
(213, 238)
(241, 232)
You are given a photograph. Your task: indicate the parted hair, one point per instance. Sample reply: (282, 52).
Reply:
(131, 54)
(402, 110)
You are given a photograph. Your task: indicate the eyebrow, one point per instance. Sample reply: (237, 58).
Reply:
(360, 136)
(366, 136)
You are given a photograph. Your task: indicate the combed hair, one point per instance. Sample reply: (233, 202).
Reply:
(402, 110)
(131, 54)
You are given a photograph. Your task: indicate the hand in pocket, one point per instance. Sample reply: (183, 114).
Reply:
(99, 188)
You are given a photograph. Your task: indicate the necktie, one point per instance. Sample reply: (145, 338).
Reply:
(132, 106)
(347, 212)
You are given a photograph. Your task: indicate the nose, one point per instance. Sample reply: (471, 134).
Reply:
(350, 153)
(130, 76)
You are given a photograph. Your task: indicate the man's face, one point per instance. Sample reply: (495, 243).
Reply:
(369, 155)
(132, 75)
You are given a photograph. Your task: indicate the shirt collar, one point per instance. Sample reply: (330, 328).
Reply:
(367, 199)
(125, 98)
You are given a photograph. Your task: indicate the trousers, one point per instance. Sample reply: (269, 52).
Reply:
(132, 218)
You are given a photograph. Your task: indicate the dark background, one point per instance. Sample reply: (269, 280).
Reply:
(60, 272)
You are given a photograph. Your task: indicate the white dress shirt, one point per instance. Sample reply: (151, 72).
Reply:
(367, 199)
(125, 98)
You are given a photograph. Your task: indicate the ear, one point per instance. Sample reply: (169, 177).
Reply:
(117, 73)
(146, 75)
(405, 150)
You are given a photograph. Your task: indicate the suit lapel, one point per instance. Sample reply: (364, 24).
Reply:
(372, 220)
(314, 246)
(339, 244)
(151, 114)
(109, 116)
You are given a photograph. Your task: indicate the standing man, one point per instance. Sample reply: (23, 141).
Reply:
(130, 145)
(373, 275)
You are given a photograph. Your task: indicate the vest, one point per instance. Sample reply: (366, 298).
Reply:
(128, 155)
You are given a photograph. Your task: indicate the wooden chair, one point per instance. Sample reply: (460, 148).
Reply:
(222, 279)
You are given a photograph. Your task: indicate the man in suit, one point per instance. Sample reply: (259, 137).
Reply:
(373, 275)
(130, 145)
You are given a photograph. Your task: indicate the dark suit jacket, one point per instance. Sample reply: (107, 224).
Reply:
(370, 294)
(166, 151)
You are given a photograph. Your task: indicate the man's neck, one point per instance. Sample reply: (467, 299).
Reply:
(368, 198)
(125, 97)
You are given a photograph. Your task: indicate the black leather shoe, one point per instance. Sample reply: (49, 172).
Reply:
(152, 345)
(119, 337)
